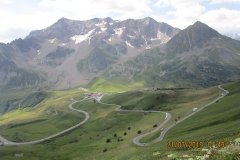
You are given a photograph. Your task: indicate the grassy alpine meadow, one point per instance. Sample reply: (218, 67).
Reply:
(177, 102)
(117, 84)
(46, 118)
(217, 124)
(218, 121)
(108, 134)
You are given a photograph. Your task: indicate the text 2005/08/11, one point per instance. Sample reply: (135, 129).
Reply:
(195, 144)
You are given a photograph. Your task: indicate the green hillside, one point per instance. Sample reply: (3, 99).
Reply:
(218, 121)
(108, 134)
(113, 85)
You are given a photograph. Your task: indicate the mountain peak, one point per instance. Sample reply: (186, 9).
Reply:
(108, 19)
(63, 19)
(149, 19)
(199, 23)
(202, 26)
(193, 36)
(97, 20)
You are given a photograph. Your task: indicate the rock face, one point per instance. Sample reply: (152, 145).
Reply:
(70, 53)
(13, 76)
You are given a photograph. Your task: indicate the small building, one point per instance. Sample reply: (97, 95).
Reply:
(194, 109)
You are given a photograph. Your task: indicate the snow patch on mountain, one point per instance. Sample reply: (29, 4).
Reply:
(38, 52)
(145, 41)
(154, 39)
(128, 44)
(130, 36)
(119, 31)
(163, 37)
(103, 29)
(52, 40)
(80, 38)
(148, 47)
(103, 23)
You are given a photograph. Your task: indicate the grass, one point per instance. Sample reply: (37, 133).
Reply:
(50, 116)
(216, 122)
(178, 102)
(89, 141)
(39, 128)
(103, 85)
(9, 99)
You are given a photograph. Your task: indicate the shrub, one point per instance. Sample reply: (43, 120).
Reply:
(108, 140)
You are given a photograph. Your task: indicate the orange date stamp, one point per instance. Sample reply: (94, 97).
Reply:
(195, 144)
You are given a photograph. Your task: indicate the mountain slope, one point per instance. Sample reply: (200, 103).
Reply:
(13, 76)
(196, 56)
(71, 52)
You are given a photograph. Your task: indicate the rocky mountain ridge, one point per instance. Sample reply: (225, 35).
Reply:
(71, 53)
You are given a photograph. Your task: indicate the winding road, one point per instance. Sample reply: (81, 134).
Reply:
(136, 140)
(6, 142)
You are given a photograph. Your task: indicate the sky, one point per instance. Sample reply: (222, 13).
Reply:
(19, 17)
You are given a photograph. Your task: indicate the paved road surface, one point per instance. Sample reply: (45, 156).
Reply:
(137, 139)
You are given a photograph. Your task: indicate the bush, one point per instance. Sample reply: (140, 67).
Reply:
(115, 135)
(139, 132)
(125, 133)
(129, 128)
(155, 125)
(108, 140)
(105, 150)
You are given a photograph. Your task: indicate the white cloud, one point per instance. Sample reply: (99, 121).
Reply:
(46, 12)
(224, 20)
(19, 18)
(6, 2)
(223, 1)
(185, 11)
(82, 9)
